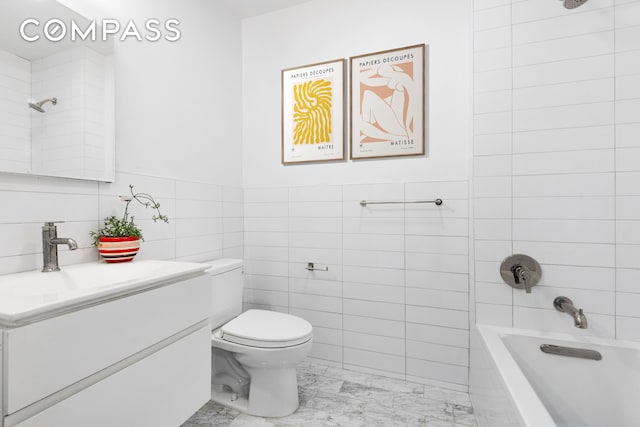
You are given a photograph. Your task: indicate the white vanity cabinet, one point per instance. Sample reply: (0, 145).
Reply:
(142, 358)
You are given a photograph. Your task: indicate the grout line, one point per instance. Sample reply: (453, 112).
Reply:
(342, 277)
(615, 182)
(572, 36)
(404, 276)
(512, 158)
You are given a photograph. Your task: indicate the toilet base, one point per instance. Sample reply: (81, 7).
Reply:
(273, 383)
(262, 401)
(230, 399)
(273, 392)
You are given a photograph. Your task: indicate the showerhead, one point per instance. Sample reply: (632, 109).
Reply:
(572, 4)
(38, 105)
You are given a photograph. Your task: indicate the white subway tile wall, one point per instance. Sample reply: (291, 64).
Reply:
(15, 116)
(395, 298)
(556, 160)
(205, 221)
(76, 78)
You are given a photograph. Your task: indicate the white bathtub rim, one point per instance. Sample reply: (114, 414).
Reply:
(531, 409)
(526, 400)
(562, 336)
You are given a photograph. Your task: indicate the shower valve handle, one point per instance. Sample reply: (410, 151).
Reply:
(520, 271)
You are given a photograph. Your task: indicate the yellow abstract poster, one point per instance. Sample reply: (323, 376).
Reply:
(313, 113)
(312, 108)
(387, 103)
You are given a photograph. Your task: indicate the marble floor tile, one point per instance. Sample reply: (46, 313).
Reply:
(332, 397)
(367, 394)
(452, 396)
(397, 386)
(441, 423)
(351, 376)
(212, 415)
(315, 383)
(312, 368)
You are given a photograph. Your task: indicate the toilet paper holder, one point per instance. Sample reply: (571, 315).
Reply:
(311, 266)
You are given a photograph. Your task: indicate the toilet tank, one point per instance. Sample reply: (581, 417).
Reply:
(227, 285)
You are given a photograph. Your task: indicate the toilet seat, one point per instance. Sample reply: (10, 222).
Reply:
(266, 329)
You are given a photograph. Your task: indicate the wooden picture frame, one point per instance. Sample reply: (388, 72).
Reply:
(313, 113)
(387, 105)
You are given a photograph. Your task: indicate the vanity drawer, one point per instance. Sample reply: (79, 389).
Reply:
(162, 390)
(47, 356)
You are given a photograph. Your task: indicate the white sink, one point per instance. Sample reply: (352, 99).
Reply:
(32, 296)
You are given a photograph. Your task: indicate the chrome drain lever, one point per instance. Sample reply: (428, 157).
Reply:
(581, 353)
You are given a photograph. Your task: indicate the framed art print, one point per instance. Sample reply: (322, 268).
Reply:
(313, 113)
(387, 103)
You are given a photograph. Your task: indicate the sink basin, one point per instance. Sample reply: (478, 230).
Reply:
(33, 296)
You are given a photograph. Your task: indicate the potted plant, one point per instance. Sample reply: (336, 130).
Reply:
(119, 239)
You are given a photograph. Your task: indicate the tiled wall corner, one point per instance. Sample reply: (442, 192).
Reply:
(199, 221)
(232, 222)
(627, 161)
(492, 159)
(266, 239)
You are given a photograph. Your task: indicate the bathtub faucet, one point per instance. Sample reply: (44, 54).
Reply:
(564, 304)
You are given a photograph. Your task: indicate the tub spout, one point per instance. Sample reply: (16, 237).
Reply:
(565, 305)
(580, 320)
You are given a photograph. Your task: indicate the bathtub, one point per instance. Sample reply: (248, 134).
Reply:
(513, 383)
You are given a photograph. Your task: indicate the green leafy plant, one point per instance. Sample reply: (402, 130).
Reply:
(125, 226)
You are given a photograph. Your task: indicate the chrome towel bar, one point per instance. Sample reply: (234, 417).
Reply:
(438, 202)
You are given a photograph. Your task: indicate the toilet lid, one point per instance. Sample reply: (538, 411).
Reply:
(267, 329)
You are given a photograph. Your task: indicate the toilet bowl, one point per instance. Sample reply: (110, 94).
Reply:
(255, 353)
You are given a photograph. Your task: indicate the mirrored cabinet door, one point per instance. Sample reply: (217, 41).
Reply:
(56, 97)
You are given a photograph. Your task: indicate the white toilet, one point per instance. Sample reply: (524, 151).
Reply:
(255, 353)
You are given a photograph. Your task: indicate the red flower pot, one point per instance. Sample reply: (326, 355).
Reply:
(118, 249)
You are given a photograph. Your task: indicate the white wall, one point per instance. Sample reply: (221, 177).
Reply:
(331, 29)
(395, 299)
(177, 137)
(178, 104)
(556, 161)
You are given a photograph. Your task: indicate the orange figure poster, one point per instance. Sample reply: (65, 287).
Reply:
(387, 103)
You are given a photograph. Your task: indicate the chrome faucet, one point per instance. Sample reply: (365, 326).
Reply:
(50, 242)
(565, 305)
